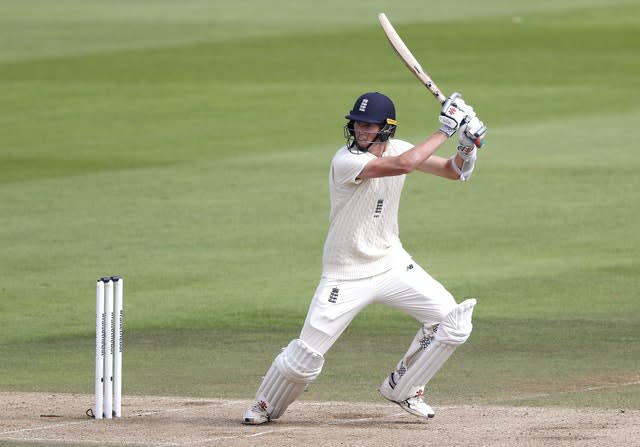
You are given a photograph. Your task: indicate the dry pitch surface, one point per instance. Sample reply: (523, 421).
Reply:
(59, 419)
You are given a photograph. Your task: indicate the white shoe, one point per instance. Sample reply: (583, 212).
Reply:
(414, 404)
(256, 415)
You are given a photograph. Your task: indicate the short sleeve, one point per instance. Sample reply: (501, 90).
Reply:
(347, 166)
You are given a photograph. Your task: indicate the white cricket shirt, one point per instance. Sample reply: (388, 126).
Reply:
(363, 238)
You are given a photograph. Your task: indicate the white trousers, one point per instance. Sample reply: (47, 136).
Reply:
(407, 287)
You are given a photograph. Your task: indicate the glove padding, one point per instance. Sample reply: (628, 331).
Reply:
(454, 113)
(470, 137)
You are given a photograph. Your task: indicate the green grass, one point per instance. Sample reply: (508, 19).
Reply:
(187, 150)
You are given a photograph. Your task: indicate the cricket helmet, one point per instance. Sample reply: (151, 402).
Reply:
(374, 108)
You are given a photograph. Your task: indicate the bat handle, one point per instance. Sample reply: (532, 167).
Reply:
(440, 97)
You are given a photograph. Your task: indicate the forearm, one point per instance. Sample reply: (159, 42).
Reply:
(416, 157)
(405, 163)
(458, 160)
(440, 166)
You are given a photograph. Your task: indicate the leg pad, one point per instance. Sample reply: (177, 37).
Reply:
(412, 376)
(292, 370)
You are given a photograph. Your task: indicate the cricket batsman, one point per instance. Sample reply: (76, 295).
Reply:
(365, 263)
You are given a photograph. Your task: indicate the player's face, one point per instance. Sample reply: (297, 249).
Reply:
(366, 133)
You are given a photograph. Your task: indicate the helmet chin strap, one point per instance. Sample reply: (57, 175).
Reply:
(376, 140)
(352, 141)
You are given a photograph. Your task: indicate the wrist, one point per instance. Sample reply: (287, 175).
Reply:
(467, 153)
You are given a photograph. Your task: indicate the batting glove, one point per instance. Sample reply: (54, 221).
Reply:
(453, 114)
(470, 137)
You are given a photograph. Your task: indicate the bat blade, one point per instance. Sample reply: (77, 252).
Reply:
(408, 58)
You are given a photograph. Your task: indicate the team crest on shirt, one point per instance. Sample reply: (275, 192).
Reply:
(378, 210)
(333, 296)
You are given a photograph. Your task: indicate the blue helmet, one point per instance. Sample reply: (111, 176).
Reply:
(374, 108)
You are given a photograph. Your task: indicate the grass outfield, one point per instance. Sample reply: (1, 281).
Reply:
(185, 146)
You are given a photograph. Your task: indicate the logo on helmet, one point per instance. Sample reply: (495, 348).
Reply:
(363, 105)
